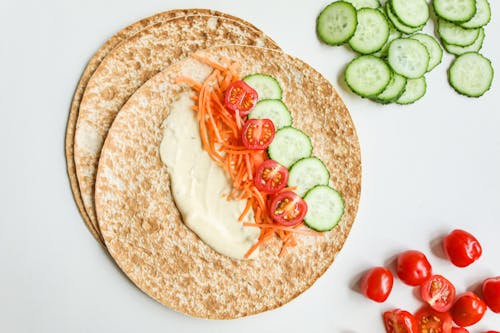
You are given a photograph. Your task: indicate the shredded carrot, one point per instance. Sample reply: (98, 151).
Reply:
(220, 132)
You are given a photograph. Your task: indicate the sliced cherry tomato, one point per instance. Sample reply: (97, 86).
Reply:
(258, 133)
(400, 321)
(413, 268)
(288, 209)
(377, 284)
(491, 293)
(462, 248)
(468, 309)
(271, 177)
(459, 330)
(438, 292)
(240, 97)
(429, 320)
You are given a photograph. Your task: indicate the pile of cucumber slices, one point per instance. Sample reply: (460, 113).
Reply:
(293, 149)
(394, 55)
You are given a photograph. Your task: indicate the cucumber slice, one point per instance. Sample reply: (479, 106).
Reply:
(413, 13)
(358, 4)
(325, 208)
(482, 16)
(408, 57)
(415, 90)
(289, 146)
(367, 75)
(372, 31)
(307, 173)
(433, 48)
(267, 87)
(393, 91)
(393, 34)
(337, 23)
(474, 47)
(455, 10)
(455, 34)
(273, 109)
(471, 74)
(398, 24)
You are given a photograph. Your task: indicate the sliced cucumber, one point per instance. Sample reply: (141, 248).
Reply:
(337, 23)
(393, 34)
(358, 4)
(398, 24)
(393, 91)
(471, 74)
(307, 173)
(455, 10)
(273, 109)
(415, 90)
(289, 146)
(408, 57)
(266, 86)
(413, 13)
(372, 31)
(325, 208)
(367, 75)
(433, 48)
(474, 47)
(455, 34)
(482, 16)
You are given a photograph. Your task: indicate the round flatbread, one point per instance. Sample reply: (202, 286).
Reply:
(143, 229)
(155, 30)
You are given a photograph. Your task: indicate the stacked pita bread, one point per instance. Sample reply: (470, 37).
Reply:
(122, 188)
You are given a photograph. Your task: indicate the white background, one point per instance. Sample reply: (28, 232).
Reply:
(427, 168)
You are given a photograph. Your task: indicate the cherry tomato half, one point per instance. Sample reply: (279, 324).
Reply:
(240, 97)
(459, 330)
(288, 209)
(438, 292)
(491, 293)
(468, 309)
(271, 177)
(413, 268)
(399, 321)
(462, 248)
(429, 320)
(377, 284)
(258, 133)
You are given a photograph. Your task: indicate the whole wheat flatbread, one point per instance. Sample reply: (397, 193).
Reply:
(95, 61)
(143, 229)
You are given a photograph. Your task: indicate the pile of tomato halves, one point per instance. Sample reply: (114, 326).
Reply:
(442, 306)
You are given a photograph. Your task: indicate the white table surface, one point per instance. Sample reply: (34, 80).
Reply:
(427, 168)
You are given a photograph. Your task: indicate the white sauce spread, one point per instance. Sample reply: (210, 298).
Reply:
(199, 186)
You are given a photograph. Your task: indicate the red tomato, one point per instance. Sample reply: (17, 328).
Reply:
(438, 292)
(377, 284)
(399, 321)
(492, 332)
(468, 309)
(459, 330)
(413, 268)
(240, 97)
(462, 248)
(288, 209)
(258, 133)
(429, 320)
(491, 293)
(271, 177)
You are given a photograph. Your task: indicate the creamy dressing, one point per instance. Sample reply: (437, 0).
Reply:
(199, 186)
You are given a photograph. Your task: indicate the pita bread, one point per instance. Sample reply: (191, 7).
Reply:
(143, 229)
(91, 67)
